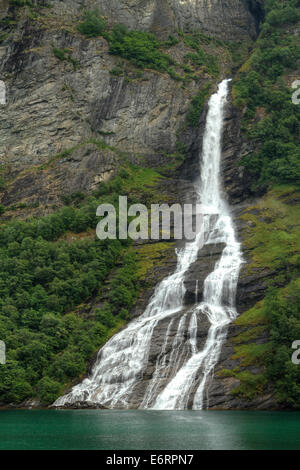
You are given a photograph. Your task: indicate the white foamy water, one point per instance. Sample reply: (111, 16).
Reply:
(180, 376)
(2, 92)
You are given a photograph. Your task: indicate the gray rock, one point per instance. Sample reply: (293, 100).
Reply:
(231, 19)
(81, 405)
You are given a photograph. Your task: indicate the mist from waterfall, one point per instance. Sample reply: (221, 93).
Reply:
(182, 369)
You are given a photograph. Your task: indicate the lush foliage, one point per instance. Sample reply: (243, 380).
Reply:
(196, 107)
(271, 119)
(50, 267)
(273, 122)
(200, 58)
(269, 328)
(267, 331)
(283, 308)
(44, 277)
(92, 25)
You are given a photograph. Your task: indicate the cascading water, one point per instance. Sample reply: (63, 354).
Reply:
(181, 370)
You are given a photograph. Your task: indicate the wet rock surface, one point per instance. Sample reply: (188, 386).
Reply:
(81, 405)
(177, 346)
(208, 256)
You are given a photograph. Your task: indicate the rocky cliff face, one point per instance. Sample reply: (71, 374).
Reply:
(230, 19)
(58, 110)
(53, 105)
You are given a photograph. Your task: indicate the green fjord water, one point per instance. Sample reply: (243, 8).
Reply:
(148, 430)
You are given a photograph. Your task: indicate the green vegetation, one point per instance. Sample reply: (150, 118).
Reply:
(176, 158)
(42, 278)
(151, 255)
(50, 267)
(250, 386)
(19, 9)
(3, 37)
(34, 5)
(253, 317)
(252, 353)
(239, 51)
(273, 236)
(196, 107)
(200, 58)
(144, 50)
(67, 152)
(270, 327)
(93, 25)
(138, 183)
(59, 53)
(65, 54)
(139, 47)
(124, 287)
(271, 120)
(20, 3)
(283, 309)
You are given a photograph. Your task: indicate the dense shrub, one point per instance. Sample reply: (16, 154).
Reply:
(123, 288)
(272, 123)
(20, 3)
(283, 309)
(140, 47)
(42, 278)
(93, 25)
(260, 87)
(196, 107)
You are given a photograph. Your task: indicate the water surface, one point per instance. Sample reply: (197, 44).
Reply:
(148, 430)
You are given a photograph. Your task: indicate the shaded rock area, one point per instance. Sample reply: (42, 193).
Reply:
(220, 391)
(81, 405)
(252, 287)
(4, 4)
(83, 170)
(208, 256)
(54, 107)
(236, 182)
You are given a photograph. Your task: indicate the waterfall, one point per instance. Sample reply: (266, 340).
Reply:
(182, 369)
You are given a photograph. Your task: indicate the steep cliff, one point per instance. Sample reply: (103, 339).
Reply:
(227, 20)
(85, 121)
(49, 97)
